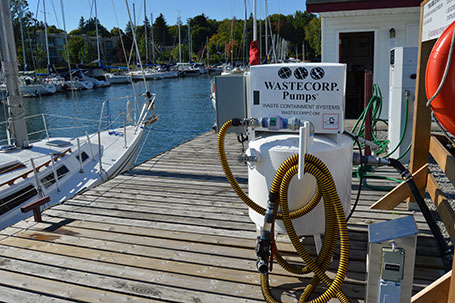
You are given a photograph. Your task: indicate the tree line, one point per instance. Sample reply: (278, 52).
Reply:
(299, 34)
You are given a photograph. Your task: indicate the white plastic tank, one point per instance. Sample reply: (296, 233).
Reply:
(334, 150)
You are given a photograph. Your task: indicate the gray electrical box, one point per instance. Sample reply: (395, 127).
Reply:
(390, 260)
(230, 95)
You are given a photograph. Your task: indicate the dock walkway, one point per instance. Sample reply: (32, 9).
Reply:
(171, 230)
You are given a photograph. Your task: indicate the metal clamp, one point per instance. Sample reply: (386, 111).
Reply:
(244, 158)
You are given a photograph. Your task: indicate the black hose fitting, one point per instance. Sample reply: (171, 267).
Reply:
(236, 122)
(273, 197)
(263, 253)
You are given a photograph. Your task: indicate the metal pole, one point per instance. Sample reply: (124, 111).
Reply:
(180, 43)
(145, 29)
(45, 34)
(266, 32)
(124, 128)
(35, 174)
(153, 40)
(22, 36)
(55, 173)
(246, 35)
(90, 146)
(80, 155)
(99, 151)
(255, 31)
(45, 126)
(16, 110)
(97, 36)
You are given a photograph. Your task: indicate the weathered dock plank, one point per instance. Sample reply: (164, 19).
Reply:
(173, 230)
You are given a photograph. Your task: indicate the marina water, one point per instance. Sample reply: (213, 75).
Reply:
(183, 105)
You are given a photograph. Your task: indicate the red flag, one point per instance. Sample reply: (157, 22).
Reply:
(254, 53)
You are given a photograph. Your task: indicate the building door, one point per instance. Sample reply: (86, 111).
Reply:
(357, 51)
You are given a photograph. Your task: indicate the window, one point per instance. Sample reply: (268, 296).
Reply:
(84, 156)
(17, 198)
(49, 179)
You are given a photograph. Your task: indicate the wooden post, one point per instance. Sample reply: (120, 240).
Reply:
(368, 94)
(36, 207)
(422, 114)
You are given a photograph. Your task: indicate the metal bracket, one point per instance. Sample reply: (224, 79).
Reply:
(244, 158)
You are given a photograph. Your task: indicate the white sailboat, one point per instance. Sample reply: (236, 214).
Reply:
(30, 87)
(60, 167)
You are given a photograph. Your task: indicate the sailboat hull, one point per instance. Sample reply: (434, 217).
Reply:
(73, 178)
(35, 90)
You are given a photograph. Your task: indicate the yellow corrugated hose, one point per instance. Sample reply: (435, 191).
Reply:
(335, 224)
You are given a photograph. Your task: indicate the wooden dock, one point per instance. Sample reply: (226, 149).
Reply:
(171, 230)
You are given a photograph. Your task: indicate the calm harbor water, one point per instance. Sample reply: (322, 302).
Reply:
(183, 105)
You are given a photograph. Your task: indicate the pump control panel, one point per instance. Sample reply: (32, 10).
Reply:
(312, 92)
(392, 264)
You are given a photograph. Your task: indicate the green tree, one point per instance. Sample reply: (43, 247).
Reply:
(313, 38)
(76, 50)
(161, 31)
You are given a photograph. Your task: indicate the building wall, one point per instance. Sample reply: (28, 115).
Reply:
(405, 21)
(56, 49)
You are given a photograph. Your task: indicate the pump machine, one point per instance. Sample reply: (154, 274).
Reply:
(299, 165)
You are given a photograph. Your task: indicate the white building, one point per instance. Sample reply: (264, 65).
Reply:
(360, 33)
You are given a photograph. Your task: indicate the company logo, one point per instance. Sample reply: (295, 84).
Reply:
(300, 73)
(284, 72)
(317, 73)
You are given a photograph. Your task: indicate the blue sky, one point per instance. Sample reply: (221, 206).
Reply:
(214, 9)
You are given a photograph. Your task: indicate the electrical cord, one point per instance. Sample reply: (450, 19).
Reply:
(359, 147)
(446, 252)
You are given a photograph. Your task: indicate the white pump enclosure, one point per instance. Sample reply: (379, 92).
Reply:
(279, 94)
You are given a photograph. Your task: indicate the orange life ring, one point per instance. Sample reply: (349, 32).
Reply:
(443, 105)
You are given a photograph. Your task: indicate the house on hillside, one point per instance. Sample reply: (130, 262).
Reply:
(361, 33)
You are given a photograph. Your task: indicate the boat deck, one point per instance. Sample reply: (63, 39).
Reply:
(172, 230)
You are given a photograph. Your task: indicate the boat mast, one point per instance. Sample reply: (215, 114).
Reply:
(97, 36)
(189, 43)
(246, 35)
(145, 29)
(11, 74)
(266, 32)
(45, 34)
(153, 39)
(255, 31)
(180, 38)
(21, 8)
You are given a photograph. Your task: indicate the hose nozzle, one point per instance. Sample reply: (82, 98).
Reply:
(262, 266)
(263, 253)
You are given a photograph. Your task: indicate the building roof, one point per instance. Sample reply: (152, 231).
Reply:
(319, 6)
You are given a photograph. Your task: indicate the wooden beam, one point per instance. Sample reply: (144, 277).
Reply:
(445, 160)
(452, 285)
(401, 192)
(36, 207)
(422, 114)
(442, 205)
(436, 292)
